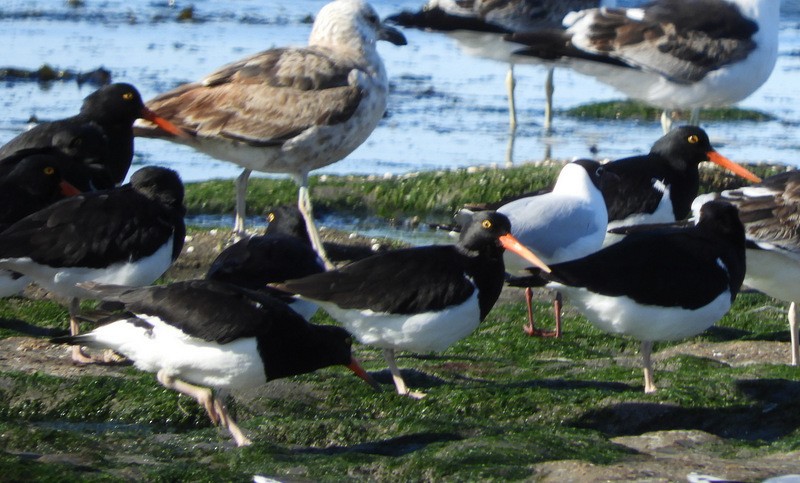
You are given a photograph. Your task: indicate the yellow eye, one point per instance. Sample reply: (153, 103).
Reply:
(486, 224)
(271, 217)
(49, 171)
(127, 96)
(693, 139)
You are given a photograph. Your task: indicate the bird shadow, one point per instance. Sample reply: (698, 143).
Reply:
(399, 446)
(771, 415)
(26, 328)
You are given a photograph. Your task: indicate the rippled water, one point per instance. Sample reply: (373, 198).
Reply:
(446, 109)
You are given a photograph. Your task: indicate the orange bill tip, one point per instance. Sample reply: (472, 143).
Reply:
(513, 245)
(360, 372)
(67, 189)
(726, 163)
(163, 123)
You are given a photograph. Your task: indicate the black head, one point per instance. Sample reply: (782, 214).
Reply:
(482, 229)
(687, 146)
(722, 218)
(684, 147)
(287, 220)
(293, 346)
(113, 104)
(160, 184)
(84, 143)
(39, 175)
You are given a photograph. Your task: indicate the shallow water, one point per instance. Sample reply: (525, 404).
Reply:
(446, 109)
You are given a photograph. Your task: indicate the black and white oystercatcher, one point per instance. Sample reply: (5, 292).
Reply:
(112, 109)
(126, 236)
(289, 110)
(202, 335)
(673, 54)
(660, 284)
(769, 212)
(284, 252)
(659, 187)
(419, 299)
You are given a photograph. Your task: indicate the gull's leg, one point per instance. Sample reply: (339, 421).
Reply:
(666, 120)
(241, 203)
(694, 118)
(511, 84)
(512, 114)
(548, 104)
(793, 333)
(304, 204)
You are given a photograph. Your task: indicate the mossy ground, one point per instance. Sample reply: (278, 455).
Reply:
(627, 109)
(500, 405)
(433, 195)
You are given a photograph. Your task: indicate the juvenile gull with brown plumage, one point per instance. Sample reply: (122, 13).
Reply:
(290, 110)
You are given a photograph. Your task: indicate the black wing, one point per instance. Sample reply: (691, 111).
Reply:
(658, 268)
(254, 262)
(405, 281)
(94, 229)
(208, 310)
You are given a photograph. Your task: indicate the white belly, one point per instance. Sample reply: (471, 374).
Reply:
(620, 315)
(63, 280)
(235, 365)
(428, 332)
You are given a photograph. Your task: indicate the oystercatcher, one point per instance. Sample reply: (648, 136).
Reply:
(284, 252)
(289, 110)
(111, 110)
(660, 284)
(673, 54)
(659, 187)
(479, 27)
(33, 183)
(419, 299)
(197, 335)
(769, 212)
(126, 236)
(29, 185)
(566, 223)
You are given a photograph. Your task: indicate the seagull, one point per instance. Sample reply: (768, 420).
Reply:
(421, 299)
(769, 211)
(672, 54)
(660, 284)
(289, 110)
(564, 224)
(126, 236)
(109, 113)
(199, 334)
(480, 25)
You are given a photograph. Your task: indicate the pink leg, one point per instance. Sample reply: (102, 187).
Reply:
(533, 331)
(216, 410)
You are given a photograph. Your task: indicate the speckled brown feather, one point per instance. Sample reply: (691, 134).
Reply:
(265, 99)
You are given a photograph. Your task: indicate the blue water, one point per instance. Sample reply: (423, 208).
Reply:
(446, 109)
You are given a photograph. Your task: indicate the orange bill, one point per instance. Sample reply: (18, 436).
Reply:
(68, 190)
(163, 123)
(513, 245)
(726, 163)
(360, 372)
